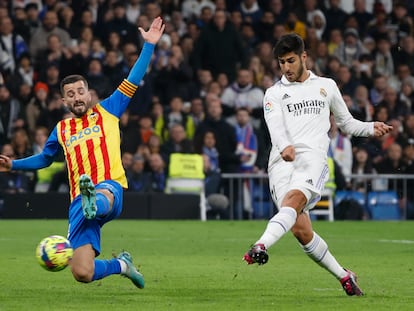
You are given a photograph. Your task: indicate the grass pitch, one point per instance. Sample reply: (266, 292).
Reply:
(191, 265)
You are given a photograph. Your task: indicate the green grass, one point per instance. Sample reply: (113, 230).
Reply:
(190, 265)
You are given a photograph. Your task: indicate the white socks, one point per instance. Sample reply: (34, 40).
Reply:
(317, 249)
(281, 223)
(123, 266)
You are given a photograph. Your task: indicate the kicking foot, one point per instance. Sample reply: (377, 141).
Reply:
(131, 272)
(350, 285)
(88, 192)
(257, 254)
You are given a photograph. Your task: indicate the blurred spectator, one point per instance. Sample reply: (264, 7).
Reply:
(21, 143)
(362, 16)
(129, 133)
(36, 104)
(97, 79)
(32, 18)
(396, 108)
(57, 54)
(334, 40)
(12, 46)
(197, 112)
(251, 11)
(279, 10)
(318, 22)
(112, 68)
(138, 180)
(120, 24)
(175, 115)
(66, 20)
(12, 181)
(174, 78)
(404, 53)
(219, 47)
(363, 109)
(38, 41)
(383, 62)
(249, 38)
(247, 145)
(335, 16)
(346, 82)
(24, 74)
(177, 142)
(264, 27)
(350, 49)
(191, 9)
(225, 134)
(158, 173)
(392, 163)
(361, 165)
(243, 93)
(54, 112)
(377, 92)
(133, 10)
(294, 25)
(10, 115)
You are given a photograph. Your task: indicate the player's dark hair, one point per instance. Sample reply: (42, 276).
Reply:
(287, 44)
(72, 79)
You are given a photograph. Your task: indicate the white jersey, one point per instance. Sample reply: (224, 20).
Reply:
(297, 114)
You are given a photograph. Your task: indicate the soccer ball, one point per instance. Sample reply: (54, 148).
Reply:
(54, 252)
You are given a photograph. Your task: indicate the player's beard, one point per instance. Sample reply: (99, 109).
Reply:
(79, 111)
(296, 75)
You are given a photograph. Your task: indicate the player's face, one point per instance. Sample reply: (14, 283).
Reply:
(77, 98)
(293, 66)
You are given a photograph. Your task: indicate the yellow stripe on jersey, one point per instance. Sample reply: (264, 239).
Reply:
(127, 88)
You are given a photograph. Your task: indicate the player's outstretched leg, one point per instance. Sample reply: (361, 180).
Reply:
(256, 254)
(88, 192)
(350, 285)
(131, 272)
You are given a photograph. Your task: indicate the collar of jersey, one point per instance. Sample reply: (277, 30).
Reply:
(311, 77)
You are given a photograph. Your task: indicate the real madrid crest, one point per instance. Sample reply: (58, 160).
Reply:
(323, 92)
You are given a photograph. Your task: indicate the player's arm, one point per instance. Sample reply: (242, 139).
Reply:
(347, 123)
(37, 161)
(119, 100)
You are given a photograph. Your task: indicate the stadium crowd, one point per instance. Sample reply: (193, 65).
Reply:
(204, 89)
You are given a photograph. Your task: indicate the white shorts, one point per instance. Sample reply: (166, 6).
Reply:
(307, 173)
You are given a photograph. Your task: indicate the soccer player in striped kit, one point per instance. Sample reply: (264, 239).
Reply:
(91, 143)
(297, 111)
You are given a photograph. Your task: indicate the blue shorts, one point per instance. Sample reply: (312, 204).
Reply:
(82, 231)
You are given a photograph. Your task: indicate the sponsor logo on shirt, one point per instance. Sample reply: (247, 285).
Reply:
(285, 96)
(311, 106)
(84, 134)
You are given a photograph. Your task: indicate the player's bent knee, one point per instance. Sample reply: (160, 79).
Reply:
(304, 236)
(82, 274)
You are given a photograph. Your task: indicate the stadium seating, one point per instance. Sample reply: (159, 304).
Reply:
(383, 205)
(186, 176)
(325, 206)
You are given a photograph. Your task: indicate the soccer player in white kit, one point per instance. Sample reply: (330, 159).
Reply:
(297, 110)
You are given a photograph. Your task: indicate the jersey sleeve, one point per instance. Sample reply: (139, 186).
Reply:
(117, 103)
(275, 120)
(343, 118)
(40, 160)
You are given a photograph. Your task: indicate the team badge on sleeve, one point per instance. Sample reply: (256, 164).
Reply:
(268, 107)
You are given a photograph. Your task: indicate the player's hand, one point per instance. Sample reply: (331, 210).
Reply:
(5, 163)
(288, 154)
(153, 35)
(380, 128)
